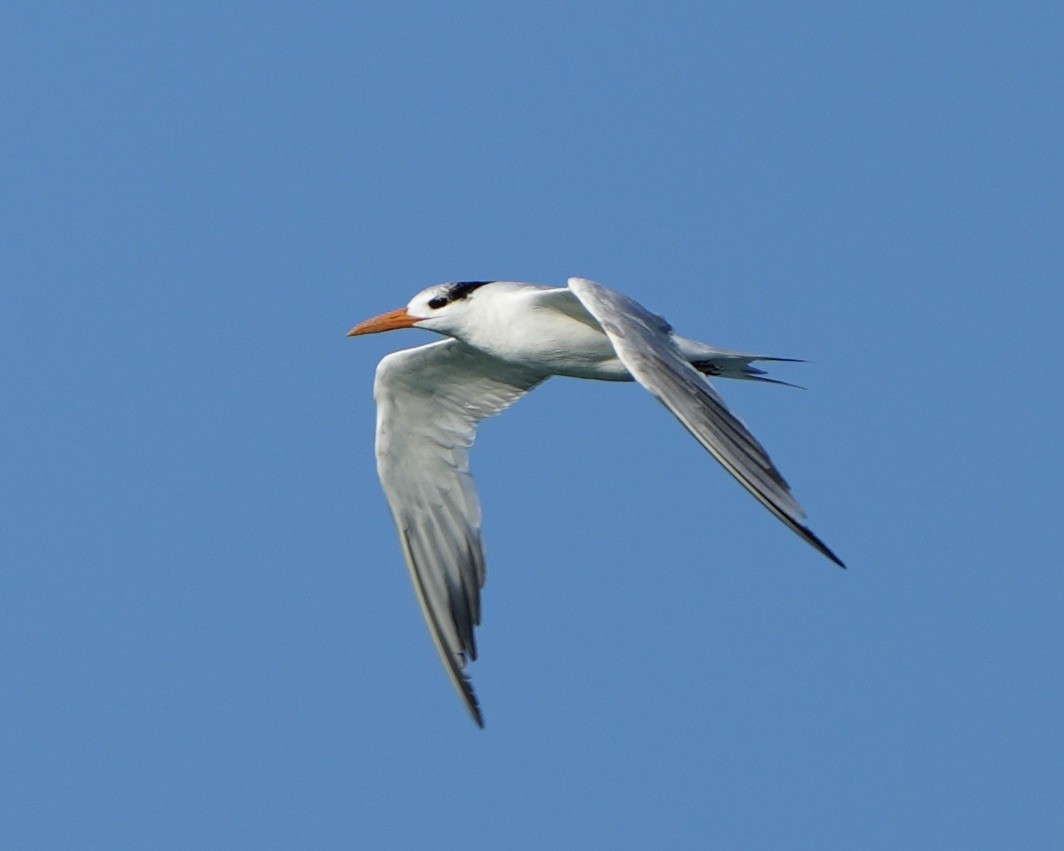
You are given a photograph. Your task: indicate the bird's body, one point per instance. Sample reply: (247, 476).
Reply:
(505, 338)
(542, 328)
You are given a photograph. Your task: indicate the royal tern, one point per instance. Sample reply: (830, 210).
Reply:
(504, 338)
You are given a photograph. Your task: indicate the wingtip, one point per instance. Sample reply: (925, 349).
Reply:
(826, 550)
(473, 705)
(834, 558)
(469, 698)
(811, 538)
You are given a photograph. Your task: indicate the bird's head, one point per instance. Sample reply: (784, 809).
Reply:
(442, 308)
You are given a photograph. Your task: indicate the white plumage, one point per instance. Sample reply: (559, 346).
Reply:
(505, 338)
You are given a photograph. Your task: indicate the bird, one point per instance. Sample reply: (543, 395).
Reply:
(502, 339)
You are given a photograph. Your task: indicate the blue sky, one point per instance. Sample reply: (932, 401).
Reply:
(207, 635)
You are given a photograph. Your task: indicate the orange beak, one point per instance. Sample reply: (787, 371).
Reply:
(385, 322)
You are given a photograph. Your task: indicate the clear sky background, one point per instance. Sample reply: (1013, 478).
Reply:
(207, 635)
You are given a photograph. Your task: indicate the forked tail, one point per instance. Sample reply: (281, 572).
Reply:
(722, 363)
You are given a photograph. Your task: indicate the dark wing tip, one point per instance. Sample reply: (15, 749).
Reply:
(465, 688)
(454, 662)
(471, 702)
(819, 545)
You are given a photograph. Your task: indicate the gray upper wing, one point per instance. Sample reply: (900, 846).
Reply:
(429, 401)
(644, 345)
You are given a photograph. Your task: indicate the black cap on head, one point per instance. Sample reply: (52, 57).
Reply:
(461, 289)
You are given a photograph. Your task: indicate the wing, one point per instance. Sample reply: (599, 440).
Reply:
(429, 401)
(645, 346)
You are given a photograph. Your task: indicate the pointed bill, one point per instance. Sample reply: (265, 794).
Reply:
(385, 322)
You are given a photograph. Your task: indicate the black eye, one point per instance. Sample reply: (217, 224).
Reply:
(437, 303)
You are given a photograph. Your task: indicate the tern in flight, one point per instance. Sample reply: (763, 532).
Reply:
(504, 338)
